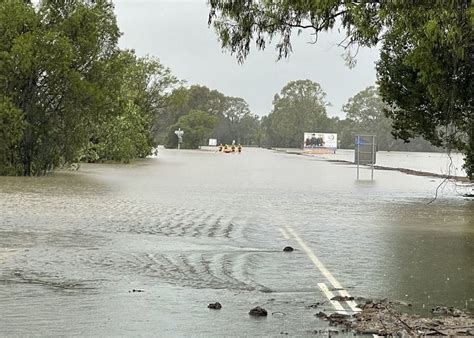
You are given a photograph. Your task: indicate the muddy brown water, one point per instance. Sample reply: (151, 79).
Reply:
(194, 227)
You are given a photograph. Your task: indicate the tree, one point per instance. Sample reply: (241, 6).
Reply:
(300, 107)
(11, 133)
(237, 123)
(248, 130)
(54, 79)
(426, 76)
(182, 101)
(197, 126)
(235, 120)
(365, 113)
(425, 70)
(129, 133)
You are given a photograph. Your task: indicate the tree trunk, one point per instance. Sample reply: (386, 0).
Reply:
(469, 160)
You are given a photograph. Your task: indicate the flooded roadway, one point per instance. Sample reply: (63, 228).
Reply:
(194, 227)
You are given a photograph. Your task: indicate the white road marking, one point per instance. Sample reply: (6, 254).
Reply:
(329, 296)
(315, 260)
(326, 273)
(283, 232)
(351, 303)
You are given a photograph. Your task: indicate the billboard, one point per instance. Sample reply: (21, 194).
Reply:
(320, 142)
(212, 142)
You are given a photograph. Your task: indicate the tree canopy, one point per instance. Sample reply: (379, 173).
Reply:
(197, 126)
(365, 115)
(130, 132)
(234, 120)
(54, 73)
(299, 107)
(425, 69)
(68, 92)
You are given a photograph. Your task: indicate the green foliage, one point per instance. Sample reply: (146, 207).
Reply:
(365, 114)
(197, 126)
(68, 92)
(425, 70)
(425, 75)
(11, 133)
(237, 123)
(183, 100)
(128, 133)
(240, 22)
(235, 120)
(300, 107)
(52, 71)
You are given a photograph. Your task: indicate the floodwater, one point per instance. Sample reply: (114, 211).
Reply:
(194, 227)
(437, 163)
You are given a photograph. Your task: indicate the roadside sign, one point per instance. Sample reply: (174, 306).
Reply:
(320, 142)
(365, 152)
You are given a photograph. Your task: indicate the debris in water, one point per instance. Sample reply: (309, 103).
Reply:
(137, 290)
(447, 311)
(258, 312)
(381, 318)
(321, 314)
(316, 305)
(288, 249)
(338, 318)
(342, 298)
(215, 306)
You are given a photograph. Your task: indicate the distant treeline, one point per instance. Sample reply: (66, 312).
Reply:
(68, 93)
(299, 107)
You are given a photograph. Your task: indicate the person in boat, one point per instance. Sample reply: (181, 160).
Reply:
(220, 147)
(239, 148)
(233, 148)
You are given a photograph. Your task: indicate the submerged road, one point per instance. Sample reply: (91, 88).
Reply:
(193, 227)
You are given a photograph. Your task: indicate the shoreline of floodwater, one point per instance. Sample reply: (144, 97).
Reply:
(377, 167)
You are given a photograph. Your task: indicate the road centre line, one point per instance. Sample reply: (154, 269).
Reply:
(326, 273)
(315, 259)
(329, 296)
(283, 232)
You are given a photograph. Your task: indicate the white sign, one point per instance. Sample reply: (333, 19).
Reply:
(320, 140)
(212, 142)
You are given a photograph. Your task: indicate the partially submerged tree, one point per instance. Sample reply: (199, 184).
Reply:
(237, 123)
(67, 92)
(185, 99)
(426, 68)
(128, 132)
(235, 120)
(53, 79)
(197, 126)
(299, 107)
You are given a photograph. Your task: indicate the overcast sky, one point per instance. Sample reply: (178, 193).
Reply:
(176, 31)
